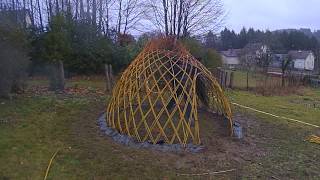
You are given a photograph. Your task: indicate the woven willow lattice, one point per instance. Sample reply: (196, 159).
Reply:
(157, 96)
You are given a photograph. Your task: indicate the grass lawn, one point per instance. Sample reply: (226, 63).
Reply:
(304, 106)
(240, 80)
(254, 80)
(33, 127)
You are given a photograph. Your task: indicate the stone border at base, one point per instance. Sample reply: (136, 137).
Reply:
(129, 141)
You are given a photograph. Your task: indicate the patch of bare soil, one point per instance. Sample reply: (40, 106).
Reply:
(222, 151)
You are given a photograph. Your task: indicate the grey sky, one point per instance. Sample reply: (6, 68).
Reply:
(272, 14)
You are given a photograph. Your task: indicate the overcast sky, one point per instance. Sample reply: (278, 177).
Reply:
(272, 14)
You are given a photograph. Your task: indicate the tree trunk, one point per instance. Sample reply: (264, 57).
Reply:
(51, 8)
(62, 5)
(57, 7)
(107, 21)
(180, 18)
(56, 77)
(77, 11)
(81, 9)
(165, 8)
(88, 10)
(94, 12)
(174, 16)
(126, 19)
(32, 14)
(119, 17)
(100, 15)
(40, 15)
(25, 14)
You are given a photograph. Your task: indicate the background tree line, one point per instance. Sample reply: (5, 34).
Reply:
(69, 37)
(278, 41)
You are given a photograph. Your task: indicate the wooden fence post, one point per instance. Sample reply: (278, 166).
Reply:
(225, 79)
(221, 77)
(231, 80)
(109, 76)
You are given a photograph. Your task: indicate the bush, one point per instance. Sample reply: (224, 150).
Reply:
(208, 57)
(90, 49)
(13, 58)
(212, 59)
(194, 47)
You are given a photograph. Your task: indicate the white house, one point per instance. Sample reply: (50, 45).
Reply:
(231, 58)
(302, 60)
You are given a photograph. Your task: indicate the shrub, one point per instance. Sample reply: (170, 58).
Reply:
(13, 58)
(212, 59)
(209, 57)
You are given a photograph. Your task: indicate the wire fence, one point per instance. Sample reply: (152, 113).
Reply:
(266, 83)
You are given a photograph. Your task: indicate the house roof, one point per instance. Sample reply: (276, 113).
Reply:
(279, 57)
(299, 54)
(231, 53)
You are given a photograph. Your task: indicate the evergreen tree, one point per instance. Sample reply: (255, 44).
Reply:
(210, 40)
(57, 49)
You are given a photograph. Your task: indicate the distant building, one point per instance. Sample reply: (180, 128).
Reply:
(277, 60)
(302, 60)
(231, 58)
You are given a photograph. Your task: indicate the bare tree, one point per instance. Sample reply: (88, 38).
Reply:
(94, 12)
(183, 17)
(109, 3)
(132, 14)
(81, 9)
(129, 13)
(40, 14)
(88, 10)
(32, 13)
(119, 16)
(100, 14)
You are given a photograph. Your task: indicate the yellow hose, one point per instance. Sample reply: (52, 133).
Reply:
(49, 165)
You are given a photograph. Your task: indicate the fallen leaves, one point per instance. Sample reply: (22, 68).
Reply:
(72, 91)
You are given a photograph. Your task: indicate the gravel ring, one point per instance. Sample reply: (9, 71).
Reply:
(129, 141)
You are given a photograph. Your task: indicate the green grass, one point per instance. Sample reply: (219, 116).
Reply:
(304, 107)
(240, 80)
(39, 126)
(254, 80)
(32, 128)
(289, 155)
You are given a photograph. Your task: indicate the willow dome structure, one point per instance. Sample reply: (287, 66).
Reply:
(158, 95)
